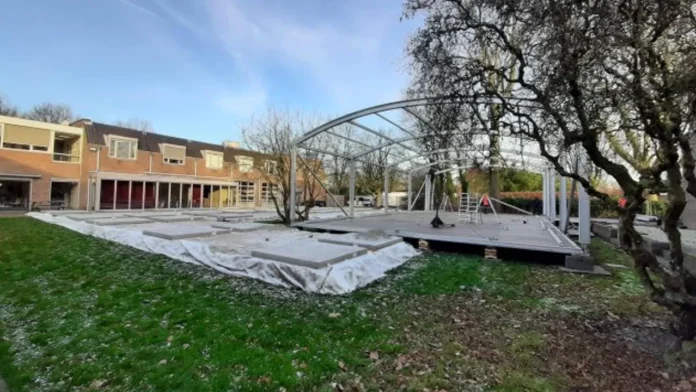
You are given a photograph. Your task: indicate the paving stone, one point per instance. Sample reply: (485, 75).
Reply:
(241, 226)
(371, 241)
(175, 218)
(153, 214)
(119, 221)
(309, 253)
(178, 232)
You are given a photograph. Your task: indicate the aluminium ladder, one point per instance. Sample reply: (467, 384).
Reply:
(469, 208)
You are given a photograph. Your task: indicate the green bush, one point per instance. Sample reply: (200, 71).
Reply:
(598, 208)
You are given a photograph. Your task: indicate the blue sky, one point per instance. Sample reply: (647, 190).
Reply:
(200, 68)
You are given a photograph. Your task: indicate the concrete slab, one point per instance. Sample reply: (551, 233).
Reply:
(308, 253)
(604, 231)
(369, 240)
(179, 232)
(153, 214)
(241, 227)
(228, 217)
(126, 220)
(596, 270)
(92, 216)
(175, 218)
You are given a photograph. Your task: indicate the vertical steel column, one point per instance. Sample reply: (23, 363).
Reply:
(351, 188)
(130, 193)
(169, 195)
(97, 196)
(552, 194)
(410, 191)
(428, 186)
(293, 185)
(157, 186)
(583, 209)
(544, 186)
(563, 204)
(385, 201)
(142, 203)
(115, 194)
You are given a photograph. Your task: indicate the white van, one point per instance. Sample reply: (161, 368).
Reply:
(364, 201)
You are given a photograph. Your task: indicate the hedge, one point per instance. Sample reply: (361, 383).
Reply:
(598, 208)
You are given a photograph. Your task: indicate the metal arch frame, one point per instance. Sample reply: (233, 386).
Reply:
(378, 110)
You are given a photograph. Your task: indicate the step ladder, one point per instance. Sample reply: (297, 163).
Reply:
(446, 204)
(432, 198)
(469, 208)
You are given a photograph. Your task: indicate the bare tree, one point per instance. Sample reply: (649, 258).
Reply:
(336, 166)
(272, 135)
(7, 109)
(584, 70)
(55, 113)
(137, 124)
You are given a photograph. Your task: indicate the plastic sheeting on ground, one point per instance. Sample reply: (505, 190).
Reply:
(341, 278)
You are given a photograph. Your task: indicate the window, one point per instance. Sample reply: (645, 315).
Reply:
(213, 160)
(269, 192)
(246, 192)
(122, 148)
(271, 167)
(246, 164)
(173, 155)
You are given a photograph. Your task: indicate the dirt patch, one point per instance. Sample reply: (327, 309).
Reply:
(470, 342)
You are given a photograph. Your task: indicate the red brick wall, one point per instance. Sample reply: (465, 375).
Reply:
(38, 163)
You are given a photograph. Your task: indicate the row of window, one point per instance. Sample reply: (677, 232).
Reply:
(125, 148)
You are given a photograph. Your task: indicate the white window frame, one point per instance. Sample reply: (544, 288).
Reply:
(243, 166)
(122, 139)
(272, 165)
(214, 154)
(168, 160)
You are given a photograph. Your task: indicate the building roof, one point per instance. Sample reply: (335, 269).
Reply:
(150, 141)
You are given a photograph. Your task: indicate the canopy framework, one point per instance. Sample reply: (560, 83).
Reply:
(403, 148)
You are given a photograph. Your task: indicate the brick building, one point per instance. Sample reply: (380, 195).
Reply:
(90, 165)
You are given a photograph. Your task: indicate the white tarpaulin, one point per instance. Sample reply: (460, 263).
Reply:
(341, 278)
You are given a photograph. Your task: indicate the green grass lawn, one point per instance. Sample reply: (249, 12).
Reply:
(79, 313)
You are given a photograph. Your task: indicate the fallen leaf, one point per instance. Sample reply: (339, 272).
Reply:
(334, 315)
(163, 362)
(264, 380)
(170, 338)
(342, 366)
(374, 355)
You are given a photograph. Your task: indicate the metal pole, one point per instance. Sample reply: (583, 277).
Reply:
(351, 188)
(583, 208)
(563, 205)
(142, 207)
(552, 194)
(169, 195)
(544, 191)
(157, 186)
(293, 185)
(409, 190)
(417, 195)
(385, 201)
(115, 194)
(428, 186)
(181, 195)
(130, 193)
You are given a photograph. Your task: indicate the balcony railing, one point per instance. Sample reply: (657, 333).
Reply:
(61, 157)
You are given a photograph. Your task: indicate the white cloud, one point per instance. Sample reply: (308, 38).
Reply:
(351, 62)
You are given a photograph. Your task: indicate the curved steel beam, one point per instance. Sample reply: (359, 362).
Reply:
(391, 106)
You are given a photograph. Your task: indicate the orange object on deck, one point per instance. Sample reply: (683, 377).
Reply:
(622, 202)
(485, 201)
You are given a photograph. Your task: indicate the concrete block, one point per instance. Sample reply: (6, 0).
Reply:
(126, 220)
(175, 218)
(231, 217)
(179, 232)
(308, 253)
(579, 262)
(605, 232)
(368, 240)
(241, 227)
(655, 246)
